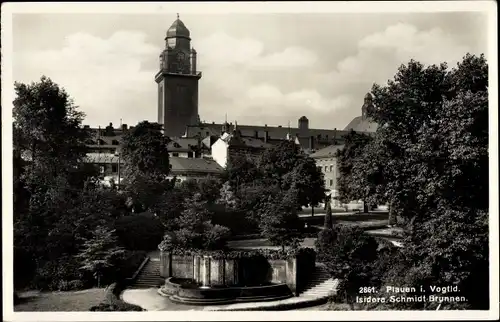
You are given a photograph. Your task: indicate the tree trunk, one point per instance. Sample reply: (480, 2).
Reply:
(312, 211)
(283, 248)
(98, 280)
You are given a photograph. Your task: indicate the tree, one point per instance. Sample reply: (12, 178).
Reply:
(286, 166)
(328, 217)
(195, 229)
(47, 128)
(147, 164)
(99, 252)
(49, 146)
(432, 141)
(353, 183)
(279, 221)
(349, 258)
(240, 170)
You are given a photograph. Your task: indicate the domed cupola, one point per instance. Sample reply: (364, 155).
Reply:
(178, 30)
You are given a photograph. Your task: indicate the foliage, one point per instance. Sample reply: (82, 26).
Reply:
(279, 219)
(195, 229)
(142, 231)
(113, 301)
(429, 161)
(240, 170)
(286, 166)
(47, 128)
(328, 216)
(271, 254)
(146, 164)
(353, 184)
(99, 252)
(349, 257)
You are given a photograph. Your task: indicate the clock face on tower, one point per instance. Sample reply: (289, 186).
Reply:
(181, 58)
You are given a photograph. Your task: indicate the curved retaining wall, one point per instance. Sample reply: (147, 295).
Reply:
(214, 272)
(174, 289)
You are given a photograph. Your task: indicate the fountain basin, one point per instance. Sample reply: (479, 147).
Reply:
(185, 291)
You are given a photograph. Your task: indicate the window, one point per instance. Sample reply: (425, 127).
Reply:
(115, 142)
(175, 154)
(101, 169)
(208, 133)
(331, 183)
(190, 154)
(114, 168)
(331, 168)
(326, 168)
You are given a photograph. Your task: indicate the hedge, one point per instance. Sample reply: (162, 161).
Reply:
(239, 254)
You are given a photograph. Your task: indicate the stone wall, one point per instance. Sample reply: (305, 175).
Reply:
(211, 271)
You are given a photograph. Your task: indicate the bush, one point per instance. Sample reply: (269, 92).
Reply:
(324, 243)
(73, 285)
(113, 301)
(139, 231)
(128, 264)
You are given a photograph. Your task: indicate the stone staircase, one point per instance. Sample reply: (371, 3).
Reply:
(320, 285)
(149, 275)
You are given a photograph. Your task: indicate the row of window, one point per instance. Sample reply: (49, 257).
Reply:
(329, 167)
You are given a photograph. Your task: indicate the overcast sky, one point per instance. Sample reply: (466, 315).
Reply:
(257, 68)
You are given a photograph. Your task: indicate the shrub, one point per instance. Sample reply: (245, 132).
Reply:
(324, 243)
(139, 231)
(113, 301)
(128, 263)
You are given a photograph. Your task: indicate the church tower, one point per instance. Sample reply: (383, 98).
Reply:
(177, 82)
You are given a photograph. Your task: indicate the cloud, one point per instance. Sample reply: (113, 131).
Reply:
(307, 99)
(112, 77)
(104, 76)
(381, 53)
(221, 50)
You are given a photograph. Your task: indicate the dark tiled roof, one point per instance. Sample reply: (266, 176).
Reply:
(183, 165)
(359, 124)
(329, 151)
(274, 132)
(182, 144)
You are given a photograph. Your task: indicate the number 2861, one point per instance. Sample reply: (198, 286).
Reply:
(364, 290)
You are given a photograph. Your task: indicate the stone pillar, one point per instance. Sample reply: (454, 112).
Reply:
(206, 271)
(197, 262)
(216, 272)
(230, 273)
(291, 274)
(165, 264)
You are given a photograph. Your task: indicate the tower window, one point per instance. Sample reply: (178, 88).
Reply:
(331, 183)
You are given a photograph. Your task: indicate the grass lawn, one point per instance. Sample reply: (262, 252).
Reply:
(59, 301)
